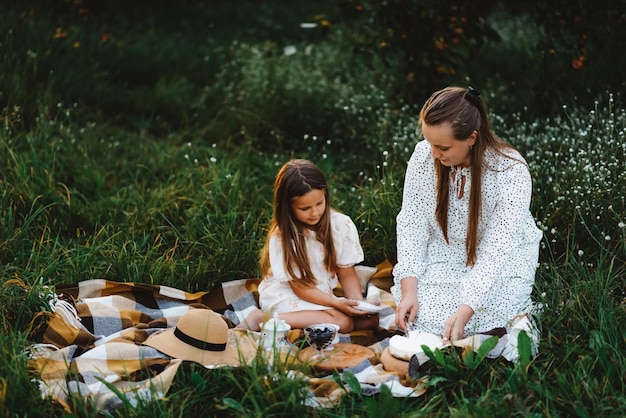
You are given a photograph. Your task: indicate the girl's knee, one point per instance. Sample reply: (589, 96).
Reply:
(346, 324)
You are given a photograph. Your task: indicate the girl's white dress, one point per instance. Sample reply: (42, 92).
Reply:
(499, 285)
(275, 294)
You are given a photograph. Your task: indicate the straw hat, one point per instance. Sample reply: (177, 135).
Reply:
(201, 335)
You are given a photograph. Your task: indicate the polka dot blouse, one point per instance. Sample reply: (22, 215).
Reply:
(499, 285)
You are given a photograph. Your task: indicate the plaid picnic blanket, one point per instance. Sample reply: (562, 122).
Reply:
(93, 345)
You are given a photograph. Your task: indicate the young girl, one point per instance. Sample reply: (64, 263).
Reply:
(467, 242)
(310, 248)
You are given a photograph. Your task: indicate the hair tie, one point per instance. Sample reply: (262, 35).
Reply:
(473, 96)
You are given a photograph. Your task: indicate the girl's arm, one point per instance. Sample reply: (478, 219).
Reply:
(314, 295)
(349, 252)
(350, 283)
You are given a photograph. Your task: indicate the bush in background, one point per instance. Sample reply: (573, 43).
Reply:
(535, 54)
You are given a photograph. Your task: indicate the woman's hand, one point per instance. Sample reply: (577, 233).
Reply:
(408, 307)
(455, 324)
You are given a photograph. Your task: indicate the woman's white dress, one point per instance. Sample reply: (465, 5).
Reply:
(275, 293)
(499, 285)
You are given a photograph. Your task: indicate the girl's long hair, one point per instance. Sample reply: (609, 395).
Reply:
(296, 178)
(464, 110)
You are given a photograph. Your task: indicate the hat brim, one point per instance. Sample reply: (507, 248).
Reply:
(239, 349)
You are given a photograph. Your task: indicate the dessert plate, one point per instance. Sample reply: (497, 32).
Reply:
(368, 307)
(403, 348)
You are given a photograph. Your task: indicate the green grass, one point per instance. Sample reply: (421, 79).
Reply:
(149, 156)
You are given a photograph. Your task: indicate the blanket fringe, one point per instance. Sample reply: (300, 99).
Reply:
(67, 311)
(36, 351)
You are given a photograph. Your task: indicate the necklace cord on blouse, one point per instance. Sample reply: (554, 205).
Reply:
(460, 177)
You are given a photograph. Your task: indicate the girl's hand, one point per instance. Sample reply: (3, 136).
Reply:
(347, 306)
(454, 325)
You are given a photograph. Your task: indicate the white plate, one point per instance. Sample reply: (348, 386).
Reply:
(403, 348)
(368, 307)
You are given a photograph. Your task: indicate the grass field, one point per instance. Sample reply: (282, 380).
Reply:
(142, 146)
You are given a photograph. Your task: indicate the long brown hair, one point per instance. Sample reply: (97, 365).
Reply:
(296, 178)
(465, 111)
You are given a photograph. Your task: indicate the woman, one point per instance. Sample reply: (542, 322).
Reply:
(467, 242)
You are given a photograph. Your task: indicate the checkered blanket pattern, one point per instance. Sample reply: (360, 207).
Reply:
(93, 349)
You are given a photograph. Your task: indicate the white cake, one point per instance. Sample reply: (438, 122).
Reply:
(403, 348)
